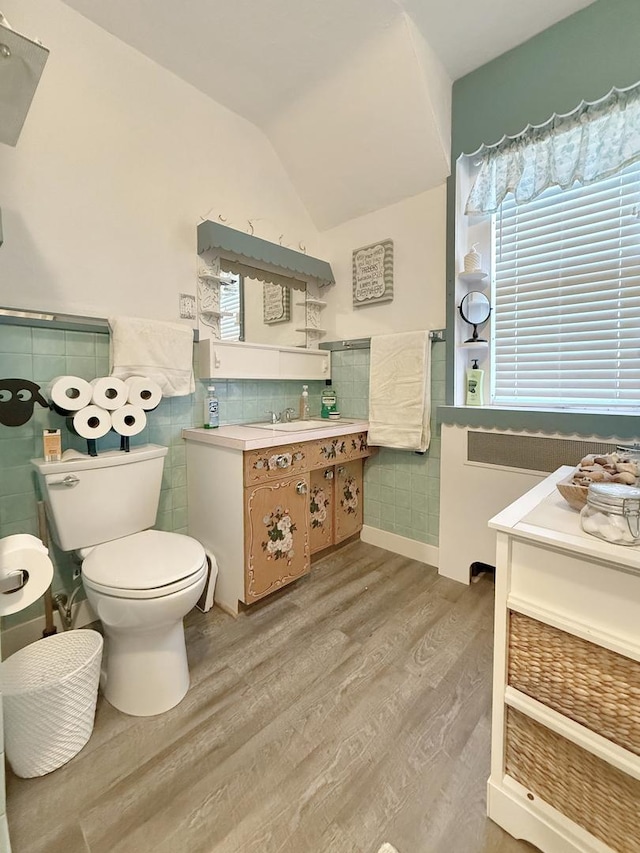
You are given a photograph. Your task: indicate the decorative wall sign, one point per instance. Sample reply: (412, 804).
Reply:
(373, 273)
(17, 400)
(276, 303)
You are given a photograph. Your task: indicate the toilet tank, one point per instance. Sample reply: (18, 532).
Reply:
(94, 499)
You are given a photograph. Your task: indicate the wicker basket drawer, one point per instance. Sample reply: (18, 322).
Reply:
(587, 790)
(592, 685)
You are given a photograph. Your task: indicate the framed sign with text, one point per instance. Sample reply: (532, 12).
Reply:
(373, 273)
(276, 301)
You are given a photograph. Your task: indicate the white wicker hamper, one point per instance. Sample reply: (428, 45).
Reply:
(50, 689)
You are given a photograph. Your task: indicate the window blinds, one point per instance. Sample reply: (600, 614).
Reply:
(567, 296)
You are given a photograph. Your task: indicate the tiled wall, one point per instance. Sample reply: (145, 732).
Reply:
(402, 489)
(42, 354)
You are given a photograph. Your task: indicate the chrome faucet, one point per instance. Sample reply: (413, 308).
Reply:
(288, 415)
(274, 416)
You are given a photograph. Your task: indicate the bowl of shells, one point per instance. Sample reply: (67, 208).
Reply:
(596, 468)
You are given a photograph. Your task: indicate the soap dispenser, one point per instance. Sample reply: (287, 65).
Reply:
(475, 385)
(304, 403)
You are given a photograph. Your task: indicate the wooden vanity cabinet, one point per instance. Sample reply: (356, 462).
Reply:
(263, 512)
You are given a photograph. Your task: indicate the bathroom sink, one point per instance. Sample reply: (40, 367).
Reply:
(300, 426)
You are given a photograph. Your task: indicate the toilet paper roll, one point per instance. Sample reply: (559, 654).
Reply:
(143, 392)
(109, 392)
(90, 422)
(128, 420)
(27, 553)
(69, 393)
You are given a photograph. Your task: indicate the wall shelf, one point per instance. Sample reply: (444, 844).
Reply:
(219, 313)
(311, 300)
(479, 345)
(209, 276)
(474, 277)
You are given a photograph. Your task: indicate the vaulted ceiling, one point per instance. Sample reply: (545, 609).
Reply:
(353, 94)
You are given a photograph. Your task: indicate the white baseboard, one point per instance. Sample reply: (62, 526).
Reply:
(21, 635)
(410, 548)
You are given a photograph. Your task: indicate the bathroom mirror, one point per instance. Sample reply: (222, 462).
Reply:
(257, 263)
(475, 309)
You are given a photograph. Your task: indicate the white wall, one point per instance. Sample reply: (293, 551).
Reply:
(119, 159)
(117, 162)
(375, 131)
(417, 227)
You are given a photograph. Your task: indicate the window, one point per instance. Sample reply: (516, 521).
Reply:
(567, 296)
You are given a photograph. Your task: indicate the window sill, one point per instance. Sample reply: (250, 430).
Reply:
(608, 424)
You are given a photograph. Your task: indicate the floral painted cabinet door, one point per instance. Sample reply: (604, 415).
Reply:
(321, 509)
(348, 499)
(276, 535)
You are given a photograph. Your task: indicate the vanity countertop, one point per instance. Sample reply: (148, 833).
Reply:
(241, 437)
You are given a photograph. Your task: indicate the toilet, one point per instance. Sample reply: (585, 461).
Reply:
(140, 582)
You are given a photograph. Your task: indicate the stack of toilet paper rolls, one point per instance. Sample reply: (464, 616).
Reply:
(93, 408)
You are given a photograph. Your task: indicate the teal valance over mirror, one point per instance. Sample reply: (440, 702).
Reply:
(260, 259)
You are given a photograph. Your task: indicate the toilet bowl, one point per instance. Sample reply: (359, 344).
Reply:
(141, 587)
(140, 582)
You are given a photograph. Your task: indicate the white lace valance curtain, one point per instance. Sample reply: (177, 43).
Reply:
(590, 143)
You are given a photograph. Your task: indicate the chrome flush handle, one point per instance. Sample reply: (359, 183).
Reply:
(70, 481)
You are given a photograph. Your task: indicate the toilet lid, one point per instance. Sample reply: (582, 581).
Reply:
(146, 560)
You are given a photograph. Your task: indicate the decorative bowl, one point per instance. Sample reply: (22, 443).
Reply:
(574, 495)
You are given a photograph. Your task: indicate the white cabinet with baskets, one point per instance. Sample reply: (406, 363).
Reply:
(565, 763)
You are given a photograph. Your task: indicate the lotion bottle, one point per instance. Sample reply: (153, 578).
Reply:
(475, 385)
(304, 403)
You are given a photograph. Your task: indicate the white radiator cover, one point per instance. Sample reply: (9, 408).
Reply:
(473, 492)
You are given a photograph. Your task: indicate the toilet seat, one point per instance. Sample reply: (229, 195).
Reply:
(150, 564)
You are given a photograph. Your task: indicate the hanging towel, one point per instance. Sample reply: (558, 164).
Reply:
(158, 350)
(399, 391)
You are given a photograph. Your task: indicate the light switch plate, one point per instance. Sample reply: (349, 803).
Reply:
(187, 306)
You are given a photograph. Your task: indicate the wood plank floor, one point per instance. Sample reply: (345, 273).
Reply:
(348, 710)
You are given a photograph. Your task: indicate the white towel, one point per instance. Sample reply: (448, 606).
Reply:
(153, 348)
(399, 391)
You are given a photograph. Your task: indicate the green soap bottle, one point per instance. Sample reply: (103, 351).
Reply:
(328, 401)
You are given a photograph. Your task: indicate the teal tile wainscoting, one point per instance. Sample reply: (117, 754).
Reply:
(402, 489)
(41, 354)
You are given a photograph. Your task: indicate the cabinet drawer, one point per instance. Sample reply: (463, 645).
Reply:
(584, 788)
(590, 684)
(340, 448)
(270, 463)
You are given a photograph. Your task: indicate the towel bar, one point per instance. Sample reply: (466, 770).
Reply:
(365, 343)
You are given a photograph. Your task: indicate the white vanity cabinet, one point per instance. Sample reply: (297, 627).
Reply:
(254, 501)
(565, 754)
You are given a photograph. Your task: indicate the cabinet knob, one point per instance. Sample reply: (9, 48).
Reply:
(342, 470)
(328, 475)
(301, 488)
(282, 462)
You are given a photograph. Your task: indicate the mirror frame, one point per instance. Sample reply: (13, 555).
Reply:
(474, 337)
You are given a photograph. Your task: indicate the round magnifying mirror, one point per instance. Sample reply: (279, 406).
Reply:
(475, 309)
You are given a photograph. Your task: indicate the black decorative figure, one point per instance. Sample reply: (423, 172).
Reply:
(17, 400)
